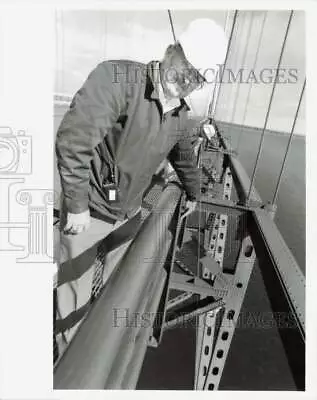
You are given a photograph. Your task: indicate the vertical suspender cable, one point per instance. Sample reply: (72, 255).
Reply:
(57, 80)
(250, 86)
(105, 29)
(211, 102)
(246, 47)
(232, 64)
(270, 105)
(222, 71)
(172, 26)
(175, 40)
(289, 143)
(62, 49)
(59, 32)
(227, 20)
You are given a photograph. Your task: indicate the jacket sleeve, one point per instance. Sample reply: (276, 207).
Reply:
(93, 111)
(184, 161)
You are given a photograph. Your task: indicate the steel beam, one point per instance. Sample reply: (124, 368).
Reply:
(206, 333)
(230, 319)
(276, 250)
(270, 246)
(241, 179)
(162, 310)
(227, 207)
(270, 243)
(283, 278)
(187, 313)
(194, 285)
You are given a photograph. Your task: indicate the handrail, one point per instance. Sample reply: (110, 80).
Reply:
(88, 361)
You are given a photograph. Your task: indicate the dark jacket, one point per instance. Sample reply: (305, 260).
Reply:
(115, 119)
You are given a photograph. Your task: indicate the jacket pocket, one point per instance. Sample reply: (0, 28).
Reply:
(105, 172)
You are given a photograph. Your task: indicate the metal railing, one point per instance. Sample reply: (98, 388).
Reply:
(95, 358)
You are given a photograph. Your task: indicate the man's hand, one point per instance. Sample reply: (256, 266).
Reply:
(77, 223)
(189, 208)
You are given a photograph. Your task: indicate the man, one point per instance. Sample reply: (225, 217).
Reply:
(123, 122)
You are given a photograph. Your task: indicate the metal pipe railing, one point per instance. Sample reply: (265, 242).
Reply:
(132, 372)
(90, 357)
(129, 340)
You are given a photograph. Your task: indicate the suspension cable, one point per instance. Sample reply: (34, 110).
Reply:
(211, 102)
(171, 23)
(222, 71)
(234, 55)
(251, 85)
(246, 47)
(269, 106)
(289, 143)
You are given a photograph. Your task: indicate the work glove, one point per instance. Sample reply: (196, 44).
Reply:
(190, 206)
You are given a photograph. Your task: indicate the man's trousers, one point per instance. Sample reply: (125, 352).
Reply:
(79, 268)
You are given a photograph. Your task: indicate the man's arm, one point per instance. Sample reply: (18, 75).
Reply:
(93, 111)
(184, 161)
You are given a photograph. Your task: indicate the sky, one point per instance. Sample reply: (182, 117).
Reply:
(84, 38)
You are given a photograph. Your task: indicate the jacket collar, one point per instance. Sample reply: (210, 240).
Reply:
(151, 90)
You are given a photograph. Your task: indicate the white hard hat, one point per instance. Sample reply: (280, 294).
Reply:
(204, 43)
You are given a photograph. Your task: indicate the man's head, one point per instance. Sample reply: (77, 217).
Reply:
(178, 76)
(188, 62)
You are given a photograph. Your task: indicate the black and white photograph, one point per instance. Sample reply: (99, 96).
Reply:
(180, 148)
